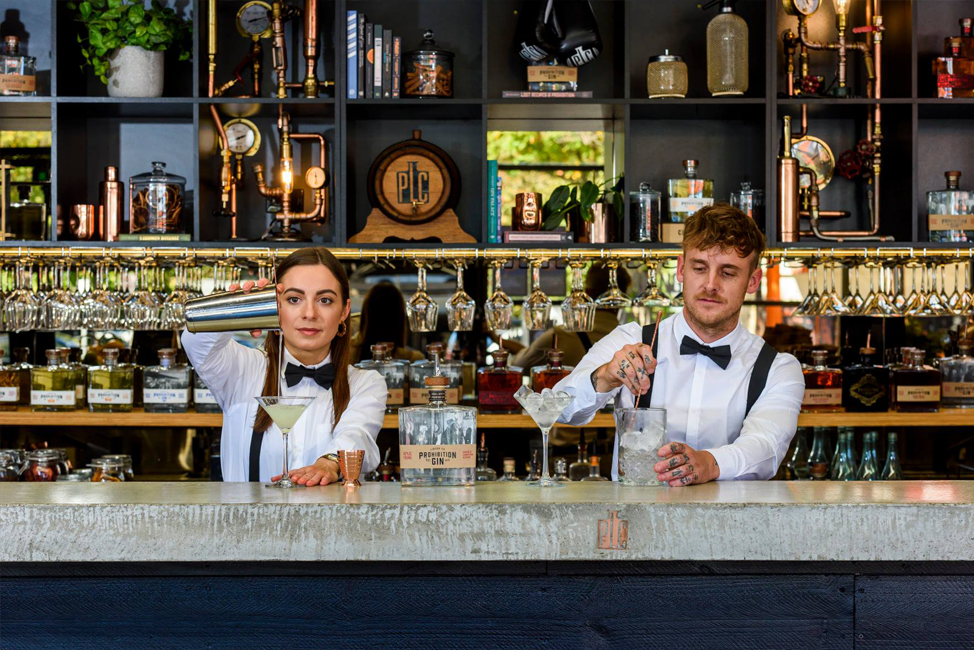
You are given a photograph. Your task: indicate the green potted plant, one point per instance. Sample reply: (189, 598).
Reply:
(123, 42)
(600, 205)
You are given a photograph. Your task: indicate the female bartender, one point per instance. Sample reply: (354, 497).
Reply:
(314, 307)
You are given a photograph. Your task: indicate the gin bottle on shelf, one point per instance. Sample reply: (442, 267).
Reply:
(957, 377)
(26, 219)
(818, 460)
(950, 212)
(420, 370)
(166, 386)
(686, 196)
(869, 467)
(9, 386)
(497, 384)
(110, 386)
(548, 375)
(823, 385)
(579, 469)
(484, 473)
(797, 464)
(916, 387)
(203, 399)
(966, 38)
(52, 386)
(438, 441)
(509, 473)
(954, 73)
(892, 470)
(865, 385)
(393, 373)
(20, 358)
(18, 75)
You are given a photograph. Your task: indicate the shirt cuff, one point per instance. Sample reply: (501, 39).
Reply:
(725, 461)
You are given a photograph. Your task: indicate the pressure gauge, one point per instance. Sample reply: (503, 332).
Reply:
(243, 137)
(813, 153)
(254, 20)
(316, 178)
(801, 7)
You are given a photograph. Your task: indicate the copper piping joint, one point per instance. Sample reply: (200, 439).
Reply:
(279, 49)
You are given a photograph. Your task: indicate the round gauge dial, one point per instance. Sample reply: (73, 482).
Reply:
(803, 7)
(316, 178)
(817, 156)
(254, 19)
(243, 137)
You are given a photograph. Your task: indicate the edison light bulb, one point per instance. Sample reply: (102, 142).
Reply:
(842, 7)
(287, 175)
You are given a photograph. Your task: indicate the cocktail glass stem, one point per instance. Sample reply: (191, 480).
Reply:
(544, 456)
(285, 481)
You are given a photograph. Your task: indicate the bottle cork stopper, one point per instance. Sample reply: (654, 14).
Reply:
(437, 382)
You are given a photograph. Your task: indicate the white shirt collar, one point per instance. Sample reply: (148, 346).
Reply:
(289, 358)
(682, 328)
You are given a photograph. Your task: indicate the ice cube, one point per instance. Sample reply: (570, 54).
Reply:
(547, 394)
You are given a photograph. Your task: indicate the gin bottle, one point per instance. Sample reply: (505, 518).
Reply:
(916, 386)
(420, 370)
(52, 386)
(865, 386)
(438, 441)
(484, 473)
(892, 470)
(166, 386)
(9, 386)
(72, 358)
(869, 467)
(823, 385)
(110, 386)
(950, 212)
(393, 372)
(686, 196)
(23, 366)
(957, 375)
(18, 74)
(203, 399)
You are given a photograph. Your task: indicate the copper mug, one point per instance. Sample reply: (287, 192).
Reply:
(350, 462)
(83, 222)
(526, 213)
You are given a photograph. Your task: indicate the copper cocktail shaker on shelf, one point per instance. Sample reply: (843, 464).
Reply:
(233, 312)
(110, 200)
(789, 226)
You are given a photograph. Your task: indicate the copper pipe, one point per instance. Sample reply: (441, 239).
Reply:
(788, 223)
(322, 162)
(311, 48)
(227, 189)
(790, 41)
(825, 214)
(279, 49)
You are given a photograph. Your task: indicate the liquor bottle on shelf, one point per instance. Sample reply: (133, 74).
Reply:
(26, 219)
(509, 467)
(823, 385)
(797, 464)
(110, 386)
(844, 469)
(561, 470)
(950, 212)
(916, 388)
(18, 74)
(20, 358)
(203, 399)
(548, 375)
(497, 384)
(593, 470)
(484, 473)
(818, 460)
(166, 386)
(966, 38)
(869, 467)
(957, 377)
(386, 470)
(727, 51)
(534, 467)
(72, 358)
(954, 72)
(52, 386)
(686, 196)
(420, 370)
(392, 371)
(865, 386)
(9, 385)
(579, 469)
(892, 470)
(438, 440)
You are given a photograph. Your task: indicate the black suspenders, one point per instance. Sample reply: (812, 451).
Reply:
(759, 375)
(256, 440)
(585, 339)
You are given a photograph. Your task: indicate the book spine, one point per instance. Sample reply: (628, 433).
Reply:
(377, 77)
(500, 207)
(492, 214)
(369, 59)
(351, 50)
(387, 64)
(360, 34)
(524, 94)
(396, 65)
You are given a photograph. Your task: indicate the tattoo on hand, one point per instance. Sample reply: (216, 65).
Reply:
(632, 355)
(689, 468)
(674, 461)
(686, 459)
(686, 480)
(621, 374)
(677, 472)
(676, 447)
(641, 371)
(647, 359)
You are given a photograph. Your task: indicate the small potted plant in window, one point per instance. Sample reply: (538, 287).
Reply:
(123, 42)
(600, 206)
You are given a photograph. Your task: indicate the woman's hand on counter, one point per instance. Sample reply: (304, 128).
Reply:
(323, 472)
(685, 465)
(247, 286)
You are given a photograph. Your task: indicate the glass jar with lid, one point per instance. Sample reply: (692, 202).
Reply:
(106, 471)
(74, 478)
(666, 76)
(156, 201)
(645, 208)
(125, 461)
(9, 468)
(427, 71)
(43, 465)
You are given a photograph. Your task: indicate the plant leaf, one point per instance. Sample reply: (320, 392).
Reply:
(553, 221)
(588, 195)
(558, 198)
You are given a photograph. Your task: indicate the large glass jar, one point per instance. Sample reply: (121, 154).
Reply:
(42, 465)
(438, 441)
(9, 468)
(107, 471)
(666, 76)
(125, 461)
(427, 71)
(156, 201)
(727, 47)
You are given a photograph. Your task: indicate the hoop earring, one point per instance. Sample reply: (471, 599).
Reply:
(342, 329)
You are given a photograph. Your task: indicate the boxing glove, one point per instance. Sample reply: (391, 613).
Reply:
(573, 24)
(534, 40)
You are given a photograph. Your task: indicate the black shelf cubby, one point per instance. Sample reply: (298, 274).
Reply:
(940, 150)
(30, 21)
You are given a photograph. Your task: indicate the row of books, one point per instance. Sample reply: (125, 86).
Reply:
(374, 59)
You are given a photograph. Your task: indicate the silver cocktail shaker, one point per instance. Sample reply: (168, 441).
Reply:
(233, 311)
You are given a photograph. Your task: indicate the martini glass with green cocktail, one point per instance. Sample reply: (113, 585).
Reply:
(285, 411)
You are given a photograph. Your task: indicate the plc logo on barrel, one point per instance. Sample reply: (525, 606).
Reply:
(413, 184)
(613, 533)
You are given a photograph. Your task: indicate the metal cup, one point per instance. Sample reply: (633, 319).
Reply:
(350, 462)
(83, 222)
(234, 311)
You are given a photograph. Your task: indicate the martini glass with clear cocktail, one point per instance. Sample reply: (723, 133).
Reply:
(285, 412)
(544, 408)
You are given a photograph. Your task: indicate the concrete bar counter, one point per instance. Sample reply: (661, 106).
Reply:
(735, 564)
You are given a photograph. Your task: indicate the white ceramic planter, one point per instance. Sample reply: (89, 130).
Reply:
(135, 72)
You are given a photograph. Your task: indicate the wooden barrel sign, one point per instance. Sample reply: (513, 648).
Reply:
(414, 182)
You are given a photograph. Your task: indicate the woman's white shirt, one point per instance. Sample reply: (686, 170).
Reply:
(235, 375)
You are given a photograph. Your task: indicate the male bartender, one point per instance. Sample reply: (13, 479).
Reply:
(731, 401)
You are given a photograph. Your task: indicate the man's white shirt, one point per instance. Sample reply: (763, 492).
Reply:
(704, 404)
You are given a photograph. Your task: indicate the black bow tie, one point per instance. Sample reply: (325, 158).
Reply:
(721, 355)
(324, 375)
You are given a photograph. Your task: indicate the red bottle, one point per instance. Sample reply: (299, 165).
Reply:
(549, 375)
(497, 384)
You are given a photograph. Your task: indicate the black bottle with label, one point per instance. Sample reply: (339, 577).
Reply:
(866, 385)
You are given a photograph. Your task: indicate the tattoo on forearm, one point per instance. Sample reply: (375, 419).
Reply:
(595, 380)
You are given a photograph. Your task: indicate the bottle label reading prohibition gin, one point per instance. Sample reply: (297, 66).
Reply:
(52, 397)
(9, 393)
(918, 393)
(422, 395)
(438, 456)
(822, 397)
(110, 396)
(951, 389)
(165, 395)
(203, 396)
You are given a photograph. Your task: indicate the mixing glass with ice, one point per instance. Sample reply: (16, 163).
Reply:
(544, 408)
(641, 432)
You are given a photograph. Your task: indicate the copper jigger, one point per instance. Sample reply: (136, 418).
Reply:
(526, 213)
(350, 463)
(83, 222)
